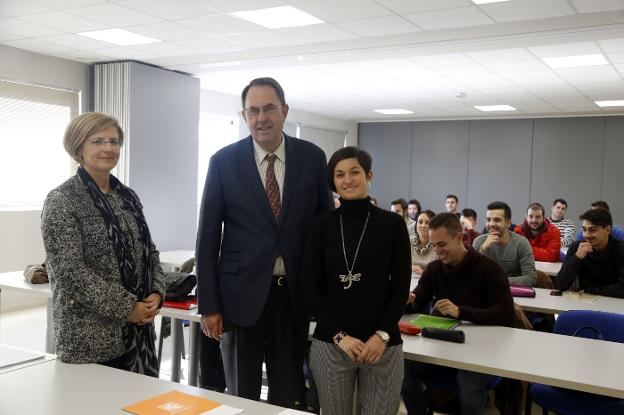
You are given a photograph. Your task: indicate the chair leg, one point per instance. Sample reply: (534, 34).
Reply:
(182, 341)
(161, 335)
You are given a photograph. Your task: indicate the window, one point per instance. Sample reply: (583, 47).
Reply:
(33, 160)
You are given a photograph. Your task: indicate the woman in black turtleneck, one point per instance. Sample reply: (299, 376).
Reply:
(356, 275)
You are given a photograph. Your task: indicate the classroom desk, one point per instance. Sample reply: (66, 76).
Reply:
(15, 281)
(60, 388)
(27, 359)
(549, 304)
(550, 268)
(570, 362)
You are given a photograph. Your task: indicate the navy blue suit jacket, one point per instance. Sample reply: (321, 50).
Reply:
(235, 272)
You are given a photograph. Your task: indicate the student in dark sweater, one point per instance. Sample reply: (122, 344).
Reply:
(597, 261)
(356, 273)
(467, 286)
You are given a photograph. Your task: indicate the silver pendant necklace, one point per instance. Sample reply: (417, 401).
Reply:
(349, 278)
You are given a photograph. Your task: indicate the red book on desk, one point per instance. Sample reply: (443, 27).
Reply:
(521, 291)
(185, 305)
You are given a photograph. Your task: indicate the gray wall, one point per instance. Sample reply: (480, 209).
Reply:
(164, 124)
(517, 161)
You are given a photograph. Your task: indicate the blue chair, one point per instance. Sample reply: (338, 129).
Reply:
(589, 324)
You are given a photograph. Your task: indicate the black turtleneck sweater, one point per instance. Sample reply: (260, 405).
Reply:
(376, 301)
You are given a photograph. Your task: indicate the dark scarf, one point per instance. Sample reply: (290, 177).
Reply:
(140, 356)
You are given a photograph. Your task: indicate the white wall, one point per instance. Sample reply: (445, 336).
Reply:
(20, 238)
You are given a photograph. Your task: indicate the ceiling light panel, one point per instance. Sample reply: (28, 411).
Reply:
(610, 103)
(488, 1)
(394, 111)
(489, 108)
(576, 61)
(278, 17)
(119, 37)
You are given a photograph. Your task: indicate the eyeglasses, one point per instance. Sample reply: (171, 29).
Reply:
(99, 142)
(267, 110)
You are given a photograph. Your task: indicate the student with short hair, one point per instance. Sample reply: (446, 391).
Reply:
(543, 236)
(565, 225)
(597, 261)
(468, 220)
(399, 206)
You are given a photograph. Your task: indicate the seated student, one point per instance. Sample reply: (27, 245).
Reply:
(468, 220)
(451, 203)
(597, 261)
(422, 248)
(616, 231)
(510, 250)
(467, 286)
(543, 236)
(399, 207)
(413, 209)
(565, 225)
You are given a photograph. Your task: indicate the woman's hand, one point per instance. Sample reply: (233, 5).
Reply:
(373, 349)
(417, 269)
(145, 311)
(351, 346)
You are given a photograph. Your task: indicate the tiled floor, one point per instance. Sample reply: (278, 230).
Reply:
(26, 328)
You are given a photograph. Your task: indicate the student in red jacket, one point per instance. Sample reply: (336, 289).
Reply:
(543, 236)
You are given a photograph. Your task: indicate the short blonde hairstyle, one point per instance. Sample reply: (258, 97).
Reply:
(84, 126)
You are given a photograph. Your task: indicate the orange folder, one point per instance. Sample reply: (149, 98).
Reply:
(172, 403)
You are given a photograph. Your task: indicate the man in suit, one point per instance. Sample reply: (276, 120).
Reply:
(263, 190)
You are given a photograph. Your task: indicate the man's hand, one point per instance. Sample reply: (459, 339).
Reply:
(212, 325)
(417, 269)
(410, 298)
(492, 238)
(584, 248)
(352, 347)
(373, 349)
(446, 308)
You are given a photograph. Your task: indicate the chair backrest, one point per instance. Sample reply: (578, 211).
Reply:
(544, 280)
(610, 325)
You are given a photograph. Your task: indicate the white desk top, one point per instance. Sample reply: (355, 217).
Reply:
(570, 362)
(181, 314)
(15, 281)
(14, 358)
(550, 268)
(549, 304)
(60, 388)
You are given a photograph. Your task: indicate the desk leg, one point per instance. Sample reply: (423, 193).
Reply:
(176, 354)
(194, 353)
(49, 346)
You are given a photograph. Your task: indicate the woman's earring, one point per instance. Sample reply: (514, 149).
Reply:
(369, 184)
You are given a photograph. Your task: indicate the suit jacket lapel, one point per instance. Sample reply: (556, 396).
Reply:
(294, 162)
(253, 177)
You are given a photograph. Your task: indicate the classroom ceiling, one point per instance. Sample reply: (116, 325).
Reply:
(436, 58)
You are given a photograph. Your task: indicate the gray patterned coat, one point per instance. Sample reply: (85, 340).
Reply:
(90, 304)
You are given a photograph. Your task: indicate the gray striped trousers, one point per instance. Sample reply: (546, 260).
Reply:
(379, 384)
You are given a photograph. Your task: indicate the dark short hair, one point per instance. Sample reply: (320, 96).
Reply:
(344, 153)
(427, 212)
(601, 204)
(415, 202)
(469, 213)
(452, 196)
(401, 202)
(598, 217)
(498, 205)
(537, 206)
(562, 201)
(447, 220)
(265, 82)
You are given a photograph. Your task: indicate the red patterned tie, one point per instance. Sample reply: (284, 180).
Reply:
(272, 188)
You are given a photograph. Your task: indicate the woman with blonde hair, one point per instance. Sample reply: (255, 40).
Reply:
(107, 282)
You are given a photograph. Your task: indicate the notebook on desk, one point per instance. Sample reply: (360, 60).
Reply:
(10, 356)
(425, 320)
(179, 403)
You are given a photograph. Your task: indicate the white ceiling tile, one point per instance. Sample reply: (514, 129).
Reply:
(580, 105)
(167, 31)
(171, 10)
(567, 49)
(124, 53)
(260, 38)
(21, 28)
(500, 55)
(164, 49)
(452, 18)
(12, 8)
(228, 6)
(67, 4)
(210, 44)
(511, 11)
(8, 36)
(380, 26)
(220, 25)
(523, 65)
(431, 61)
(113, 15)
(587, 72)
(38, 46)
(64, 22)
(591, 6)
(612, 45)
(411, 6)
(77, 42)
(323, 32)
(336, 11)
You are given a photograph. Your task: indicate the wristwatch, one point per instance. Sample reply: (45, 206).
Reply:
(341, 335)
(385, 337)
